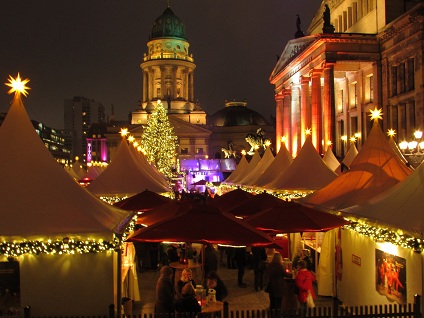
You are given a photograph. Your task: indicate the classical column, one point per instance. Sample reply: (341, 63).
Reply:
(279, 120)
(295, 119)
(305, 109)
(316, 122)
(174, 82)
(145, 86)
(191, 86)
(328, 107)
(162, 83)
(287, 118)
(151, 88)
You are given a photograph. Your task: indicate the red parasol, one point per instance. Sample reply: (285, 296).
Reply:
(255, 204)
(202, 223)
(143, 201)
(231, 199)
(291, 217)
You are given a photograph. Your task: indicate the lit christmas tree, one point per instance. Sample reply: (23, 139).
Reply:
(159, 142)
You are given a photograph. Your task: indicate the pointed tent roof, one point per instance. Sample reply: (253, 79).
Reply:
(78, 169)
(124, 176)
(400, 207)
(331, 160)
(280, 163)
(262, 165)
(307, 172)
(252, 164)
(350, 155)
(242, 165)
(45, 201)
(374, 170)
(93, 172)
(397, 150)
(148, 168)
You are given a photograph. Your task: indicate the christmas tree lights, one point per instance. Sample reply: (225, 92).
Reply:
(159, 142)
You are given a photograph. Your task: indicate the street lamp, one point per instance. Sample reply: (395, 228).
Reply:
(413, 150)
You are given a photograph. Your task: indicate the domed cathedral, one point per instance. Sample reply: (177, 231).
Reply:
(237, 127)
(356, 56)
(168, 72)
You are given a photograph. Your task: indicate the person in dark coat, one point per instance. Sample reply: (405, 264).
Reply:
(186, 278)
(259, 258)
(165, 291)
(240, 257)
(276, 286)
(213, 281)
(211, 260)
(187, 303)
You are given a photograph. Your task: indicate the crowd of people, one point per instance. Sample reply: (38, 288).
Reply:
(287, 288)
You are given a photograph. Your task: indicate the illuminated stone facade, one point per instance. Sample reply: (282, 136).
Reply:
(370, 57)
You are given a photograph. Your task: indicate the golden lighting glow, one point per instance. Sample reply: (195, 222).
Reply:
(344, 138)
(131, 138)
(283, 139)
(418, 134)
(352, 139)
(268, 143)
(124, 132)
(376, 113)
(139, 149)
(243, 152)
(308, 131)
(329, 143)
(135, 144)
(17, 85)
(357, 135)
(391, 133)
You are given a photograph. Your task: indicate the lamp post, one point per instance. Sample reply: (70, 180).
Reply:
(413, 150)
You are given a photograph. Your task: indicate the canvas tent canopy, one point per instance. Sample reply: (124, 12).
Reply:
(44, 200)
(375, 169)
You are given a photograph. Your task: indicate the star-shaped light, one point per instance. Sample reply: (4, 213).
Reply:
(131, 138)
(376, 113)
(17, 85)
(308, 131)
(243, 152)
(329, 143)
(124, 132)
(352, 139)
(391, 132)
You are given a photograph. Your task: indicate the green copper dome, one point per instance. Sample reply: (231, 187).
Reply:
(168, 25)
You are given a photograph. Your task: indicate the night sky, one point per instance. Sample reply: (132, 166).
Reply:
(94, 48)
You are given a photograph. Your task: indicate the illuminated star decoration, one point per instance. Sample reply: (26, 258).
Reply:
(391, 132)
(376, 113)
(124, 132)
(17, 85)
(308, 131)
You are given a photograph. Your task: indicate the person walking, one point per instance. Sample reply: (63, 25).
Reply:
(276, 286)
(165, 292)
(304, 280)
(259, 258)
(240, 257)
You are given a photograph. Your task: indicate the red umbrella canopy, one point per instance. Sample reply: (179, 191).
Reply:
(202, 223)
(291, 217)
(163, 212)
(255, 204)
(143, 201)
(231, 199)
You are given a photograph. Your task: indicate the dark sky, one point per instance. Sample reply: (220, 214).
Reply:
(93, 48)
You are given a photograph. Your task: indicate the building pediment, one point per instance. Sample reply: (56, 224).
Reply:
(293, 49)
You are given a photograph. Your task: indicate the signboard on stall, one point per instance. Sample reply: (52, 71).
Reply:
(390, 276)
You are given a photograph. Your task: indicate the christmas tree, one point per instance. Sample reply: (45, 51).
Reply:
(159, 142)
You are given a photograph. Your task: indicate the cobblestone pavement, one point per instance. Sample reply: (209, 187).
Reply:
(238, 298)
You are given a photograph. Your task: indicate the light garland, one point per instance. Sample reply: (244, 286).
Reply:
(382, 234)
(58, 247)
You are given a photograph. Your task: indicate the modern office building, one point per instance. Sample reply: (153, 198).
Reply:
(79, 114)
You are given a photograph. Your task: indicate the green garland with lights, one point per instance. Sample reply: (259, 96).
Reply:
(58, 247)
(381, 234)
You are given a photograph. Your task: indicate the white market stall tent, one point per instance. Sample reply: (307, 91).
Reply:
(262, 165)
(60, 236)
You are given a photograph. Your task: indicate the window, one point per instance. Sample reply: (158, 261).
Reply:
(393, 81)
(199, 151)
(402, 79)
(158, 92)
(371, 88)
(184, 151)
(410, 78)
